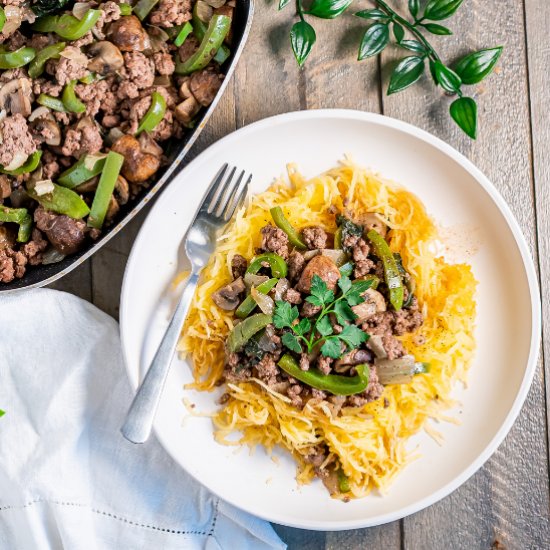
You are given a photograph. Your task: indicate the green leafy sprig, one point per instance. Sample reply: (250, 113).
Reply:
(2, 413)
(306, 334)
(388, 26)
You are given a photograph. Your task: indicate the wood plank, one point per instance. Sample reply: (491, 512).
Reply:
(508, 499)
(77, 282)
(537, 14)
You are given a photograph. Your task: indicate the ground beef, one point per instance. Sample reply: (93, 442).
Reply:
(50, 166)
(140, 69)
(275, 240)
(16, 138)
(66, 234)
(304, 361)
(267, 369)
(324, 364)
(66, 69)
(310, 310)
(39, 41)
(315, 237)
(164, 129)
(42, 86)
(188, 48)
(407, 320)
(292, 296)
(296, 263)
(109, 12)
(34, 248)
(204, 85)
(293, 392)
(164, 63)
(81, 141)
(239, 266)
(171, 13)
(16, 41)
(12, 265)
(97, 96)
(5, 187)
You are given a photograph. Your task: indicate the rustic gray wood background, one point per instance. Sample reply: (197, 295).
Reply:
(506, 504)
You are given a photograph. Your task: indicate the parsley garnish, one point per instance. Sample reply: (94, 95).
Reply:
(2, 413)
(305, 334)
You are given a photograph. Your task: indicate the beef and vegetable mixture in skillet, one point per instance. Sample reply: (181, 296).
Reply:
(89, 95)
(332, 309)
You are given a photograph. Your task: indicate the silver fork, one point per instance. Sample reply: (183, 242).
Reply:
(225, 194)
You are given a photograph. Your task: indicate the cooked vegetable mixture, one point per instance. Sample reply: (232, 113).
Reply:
(90, 93)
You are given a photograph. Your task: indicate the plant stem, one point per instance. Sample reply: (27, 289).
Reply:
(412, 29)
(300, 9)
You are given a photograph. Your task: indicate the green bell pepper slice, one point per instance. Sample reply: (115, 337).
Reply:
(391, 269)
(143, 8)
(61, 201)
(182, 35)
(333, 383)
(70, 101)
(277, 265)
(31, 164)
(36, 66)
(105, 188)
(249, 304)
(243, 331)
(282, 223)
(19, 216)
(199, 30)
(2, 18)
(154, 114)
(51, 102)
(125, 9)
(87, 167)
(17, 58)
(215, 35)
(68, 26)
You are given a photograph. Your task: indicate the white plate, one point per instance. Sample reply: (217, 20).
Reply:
(457, 195)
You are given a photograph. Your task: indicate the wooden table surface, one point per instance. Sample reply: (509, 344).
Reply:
(507, 501)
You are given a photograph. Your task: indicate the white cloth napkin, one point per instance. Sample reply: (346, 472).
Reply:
(68, 479)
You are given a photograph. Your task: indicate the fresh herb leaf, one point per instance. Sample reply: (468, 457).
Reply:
(328, 9)
(413, 46)
(324, 326)
(464, 113)
(332, 347)
(353, 336)
(320, 291)
(407, 72)
(414, 7)
(344, 283)
(374, 40)
(448, 79)
(349, 229)
(284, 315)
(283, 3)
(375, 15)
(440, 30)
(347, 269)
(291, 342)
(343, 312)
(302, 39)
(474, 67)
(303, 327)
(437, 10)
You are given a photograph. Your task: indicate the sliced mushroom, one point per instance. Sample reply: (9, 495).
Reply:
(7, 237)
(122, 190)
(41, 112)
(107, 58)
(112, 209)
(184, 90)
(128, 34)
(149, 145)
(351, 359)
(374, 303)
(372, 220)
(227, 297)
(187, 110)
(376, 344)
(138, 166)
(323, 267)
(46, 130)
(88, 186)
(16, 97)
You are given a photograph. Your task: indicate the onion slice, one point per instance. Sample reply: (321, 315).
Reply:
(265, 302)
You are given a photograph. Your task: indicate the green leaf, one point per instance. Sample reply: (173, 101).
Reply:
(324, 326)
(413, 46)
(375, 15)
(343, 312)
(314, 301)
(464, 113)
(344, 283)
(398, 32)
(319, 290)
(331, 347)
(353, 336)
(362, 286)
(374, 40)
(283, 3)
(474, 67)
(2, 413)
(432, 72)
(303, 327)
(284, 315)
(414, 7)
(437, 29)
(407, 72)
(291, 342)
(437, 10)
(302, 38)
(328, 9)
(448, 79)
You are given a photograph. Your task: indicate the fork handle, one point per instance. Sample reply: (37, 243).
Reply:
(139, 420)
